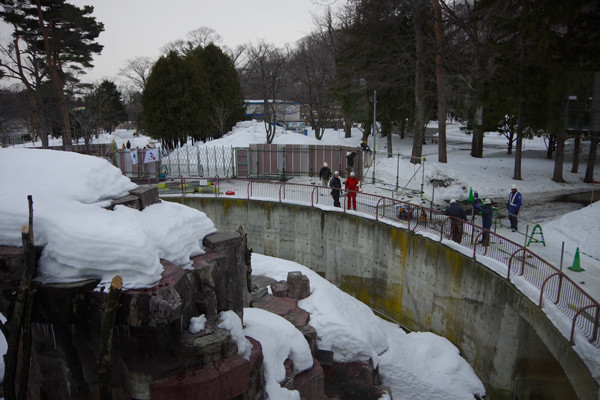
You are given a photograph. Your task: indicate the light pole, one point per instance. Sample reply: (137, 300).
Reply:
(374, 131)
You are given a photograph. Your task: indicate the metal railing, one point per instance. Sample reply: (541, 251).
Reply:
(554, 286)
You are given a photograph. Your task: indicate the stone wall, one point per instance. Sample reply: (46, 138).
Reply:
(512, 345)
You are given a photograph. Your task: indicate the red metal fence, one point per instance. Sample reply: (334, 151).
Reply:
(553, 284)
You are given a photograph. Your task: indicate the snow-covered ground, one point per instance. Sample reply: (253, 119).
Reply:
(69, 193)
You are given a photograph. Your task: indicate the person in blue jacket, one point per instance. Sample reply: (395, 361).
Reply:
(513, 205)
(487, 214)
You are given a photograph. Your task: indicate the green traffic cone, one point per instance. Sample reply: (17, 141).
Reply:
(576, 263)
(470, 195)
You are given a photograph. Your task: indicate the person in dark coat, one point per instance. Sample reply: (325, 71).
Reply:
(456, 224)
(487, 214)
(336, 187)
(514, 205)
(325, 174)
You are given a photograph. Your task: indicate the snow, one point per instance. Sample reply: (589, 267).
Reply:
(82, 240)
(231, 322)
(197, 324)
(414, 365)
(279, 340)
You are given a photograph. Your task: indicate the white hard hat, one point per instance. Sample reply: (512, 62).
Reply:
(325, 164)
(336, 173)
(452, 201)
(513, 186)
(351, 173)
(487, 201)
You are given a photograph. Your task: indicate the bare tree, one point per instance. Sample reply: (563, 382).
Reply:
(136, 70)
(239, 57)
(203, 36)
(264, 75)
(200, 37)
(313, 71)
(24, 66)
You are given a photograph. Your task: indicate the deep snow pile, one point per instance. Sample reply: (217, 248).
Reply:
(81, 238)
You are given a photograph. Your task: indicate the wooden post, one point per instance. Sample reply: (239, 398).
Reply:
(26, 347)
(106, 333)
(19, 314)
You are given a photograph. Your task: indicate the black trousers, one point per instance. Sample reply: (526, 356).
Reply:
(336, 198)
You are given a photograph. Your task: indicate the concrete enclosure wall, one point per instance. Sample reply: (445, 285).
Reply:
(514, 349)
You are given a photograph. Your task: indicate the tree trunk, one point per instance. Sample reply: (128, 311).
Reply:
(269, 121)
(403, 128)
(56, 81)
(518, 156)
(520, 115)
(576, 149)
(347, 125)
(417, 149)
(106, 333)
(591, 161)
(551, 146)
(595, 131)
(386, 129)
(477, 142)
(559, 158)
(440, 74)
(27, 341)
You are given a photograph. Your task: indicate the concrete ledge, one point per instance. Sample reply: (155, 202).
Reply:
(422, 284)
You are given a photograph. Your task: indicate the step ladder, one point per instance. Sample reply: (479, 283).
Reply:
(535, 233)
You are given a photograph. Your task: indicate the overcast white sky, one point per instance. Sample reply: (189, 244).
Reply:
(142, 27)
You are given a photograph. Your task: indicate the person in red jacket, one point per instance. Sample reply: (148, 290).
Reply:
(351, 186)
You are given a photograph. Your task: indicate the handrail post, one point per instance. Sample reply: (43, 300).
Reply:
(542, 289)
(510, 263)
(442, 228)
(249, 189)
(596, 321)
(560, 280)
(377, 208)
(571, 341)
(523, 261)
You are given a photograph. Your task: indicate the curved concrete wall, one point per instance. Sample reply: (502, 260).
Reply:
(426, 286)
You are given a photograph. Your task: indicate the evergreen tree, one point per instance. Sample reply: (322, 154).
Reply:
(162, 100)
(225, 106)
(110, 105)
(59, 36)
